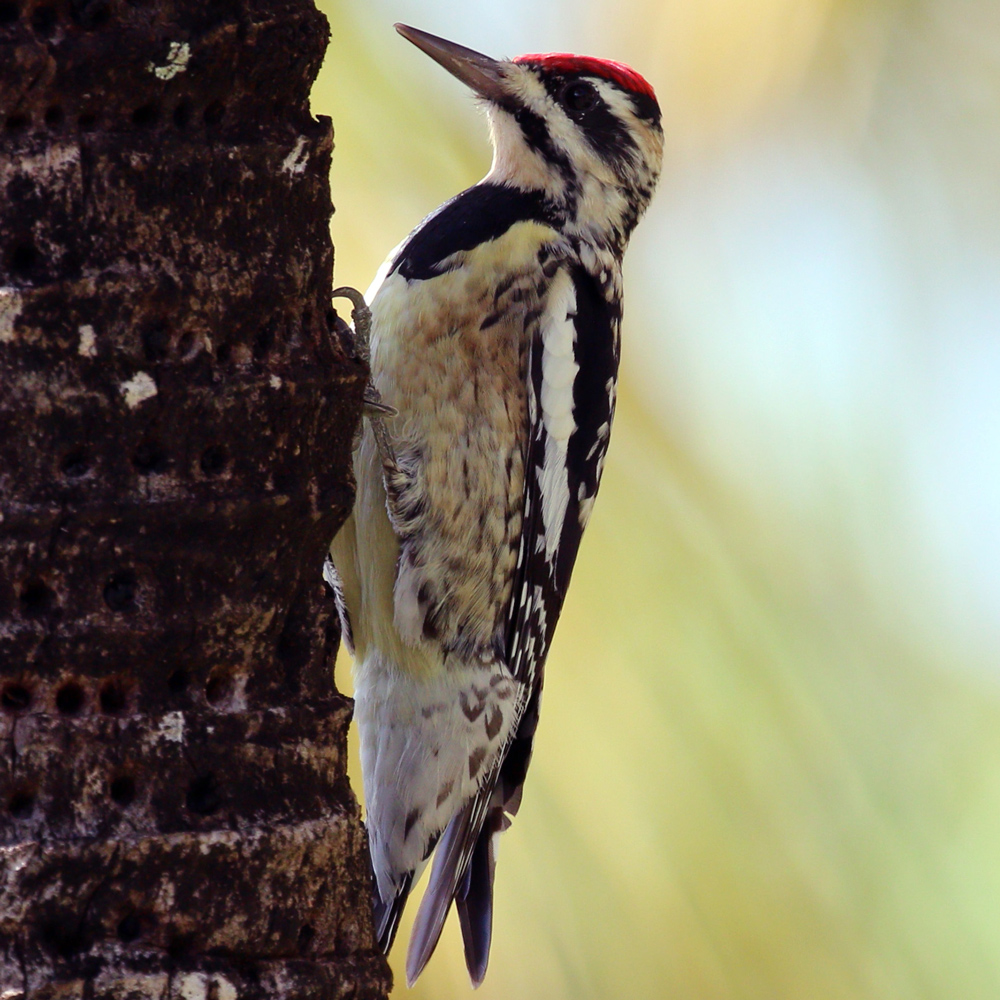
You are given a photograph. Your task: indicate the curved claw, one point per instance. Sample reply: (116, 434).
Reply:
(375, 410)
(362, 317)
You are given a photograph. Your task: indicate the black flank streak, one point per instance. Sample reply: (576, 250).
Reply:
(411, 818)
(493, 723)
(431, 629)
(476, 761)
(470, 711)
(445, 792)
(502, 287)
(431, 845)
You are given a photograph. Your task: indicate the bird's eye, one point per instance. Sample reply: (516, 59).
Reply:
(579, 96)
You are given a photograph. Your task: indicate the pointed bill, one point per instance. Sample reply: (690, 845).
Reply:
(483, 74)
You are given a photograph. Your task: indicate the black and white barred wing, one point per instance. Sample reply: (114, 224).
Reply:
(573, 364)
(571, 401)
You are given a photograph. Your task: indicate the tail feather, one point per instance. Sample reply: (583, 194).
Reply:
(447, 871)
(388, 914)
(465, 860)
(475, 903)
(436, 902)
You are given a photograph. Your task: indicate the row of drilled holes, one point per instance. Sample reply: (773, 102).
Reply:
(130, 928)
(150, 458)
(145, 116)
(121, 790)
(71, 698)
(203, 796)
(23, 260)
(89, 14)
(68, 942)
(36, 597)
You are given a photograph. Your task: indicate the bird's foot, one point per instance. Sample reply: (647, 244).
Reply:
(374, 409)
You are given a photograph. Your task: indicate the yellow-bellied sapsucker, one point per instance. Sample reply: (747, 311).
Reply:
(495, 335)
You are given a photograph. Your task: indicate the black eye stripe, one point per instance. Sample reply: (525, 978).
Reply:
(605, 132)
(607, 135)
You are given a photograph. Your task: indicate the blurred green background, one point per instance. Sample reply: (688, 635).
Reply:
(769, 758)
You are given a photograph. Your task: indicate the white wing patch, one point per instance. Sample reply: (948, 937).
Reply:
(559, 371)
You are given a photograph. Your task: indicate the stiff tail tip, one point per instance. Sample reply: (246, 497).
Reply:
(388, 914)
(472, 891)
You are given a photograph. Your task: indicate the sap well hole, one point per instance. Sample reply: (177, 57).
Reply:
(203, 795)
(147, 115)
(22, 260)
(75, 464)
(219, 687)
(178, 681)
(35, 598)
(213, 460)
(119, 591)
(306, 935)
(122, 790)
(70, 698)
(129, 928)
(15, 697)
(21, 803)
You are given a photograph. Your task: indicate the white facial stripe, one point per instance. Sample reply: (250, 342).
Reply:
(514, 163)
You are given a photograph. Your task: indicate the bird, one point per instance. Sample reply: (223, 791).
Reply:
(494, 356)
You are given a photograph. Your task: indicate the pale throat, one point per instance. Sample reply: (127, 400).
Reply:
(515, 164)
(600, 211)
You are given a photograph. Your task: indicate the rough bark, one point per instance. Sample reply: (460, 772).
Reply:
(176, 411)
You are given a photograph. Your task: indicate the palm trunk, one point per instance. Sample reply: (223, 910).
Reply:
(176, 412)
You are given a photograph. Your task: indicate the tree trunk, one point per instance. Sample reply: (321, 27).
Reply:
(176, 412)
